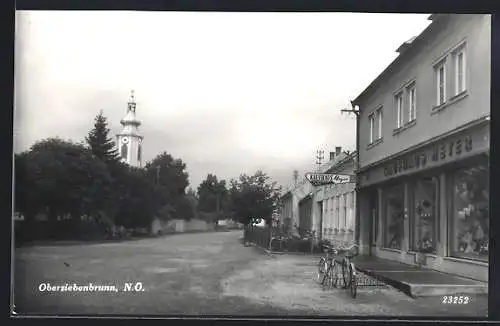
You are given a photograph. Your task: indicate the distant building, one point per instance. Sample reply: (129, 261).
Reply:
(129, 141)
(316, 208)
(337, 204)
(424, 150)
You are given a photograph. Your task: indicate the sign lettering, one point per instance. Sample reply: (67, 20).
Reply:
(437, 153)
(326, 178)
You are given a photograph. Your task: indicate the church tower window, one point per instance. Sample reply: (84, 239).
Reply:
(124, 151)
(139, 153)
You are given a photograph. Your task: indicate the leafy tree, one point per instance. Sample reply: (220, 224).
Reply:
(62, 178)
(100, 144)
(139, 197)
(171, 180)
(213, 195)
(253, 197)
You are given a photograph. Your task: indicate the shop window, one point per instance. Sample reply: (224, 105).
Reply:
(425, 215)
(394, 214)
(470, 213)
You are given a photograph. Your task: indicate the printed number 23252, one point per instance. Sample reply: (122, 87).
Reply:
(453, 299)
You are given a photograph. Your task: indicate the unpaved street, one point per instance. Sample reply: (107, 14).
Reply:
(200, 274)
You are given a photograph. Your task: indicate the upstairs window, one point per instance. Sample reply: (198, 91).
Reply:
(460, 66)
(371, 119)
(412, 104)
(379, 123)
(399, 110)
(440, 71)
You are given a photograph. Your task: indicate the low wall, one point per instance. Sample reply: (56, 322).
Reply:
(192, 225)
(180, 226)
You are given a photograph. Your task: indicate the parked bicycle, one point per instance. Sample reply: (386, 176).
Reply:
(335, 262)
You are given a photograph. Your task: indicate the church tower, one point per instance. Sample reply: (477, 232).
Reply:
(129, 141)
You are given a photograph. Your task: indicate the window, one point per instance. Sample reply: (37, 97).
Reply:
(371, 118)
(337, 211)
(425, 215)
(394, 214)
(124, 151)
(412, 104)
(441, 83)
(139, 153)
(470, 213)
(344, 211)
(460, 71)
(399, 110)
(379, 123)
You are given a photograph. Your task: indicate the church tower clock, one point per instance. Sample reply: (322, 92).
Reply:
(129, 141)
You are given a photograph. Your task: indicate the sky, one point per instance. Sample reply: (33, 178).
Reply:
(228, 93)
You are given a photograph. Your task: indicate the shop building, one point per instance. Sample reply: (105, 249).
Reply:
(337, 204)
(315, 208)
(424, 150)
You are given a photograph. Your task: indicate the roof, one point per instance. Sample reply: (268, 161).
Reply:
(403, 54)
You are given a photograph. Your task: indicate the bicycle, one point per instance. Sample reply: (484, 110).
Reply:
(325, 265)
(328, 268)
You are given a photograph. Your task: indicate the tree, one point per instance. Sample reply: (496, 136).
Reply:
(100, 144)
(253, 197)
(169, 176)
(212, 195)
(139, 199)
(61, 178)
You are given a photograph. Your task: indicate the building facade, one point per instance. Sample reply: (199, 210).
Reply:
(337, 204)
(327, 210)
(424, 150)
(129, 140)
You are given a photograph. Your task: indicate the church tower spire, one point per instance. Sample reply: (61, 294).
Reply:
(129, 140)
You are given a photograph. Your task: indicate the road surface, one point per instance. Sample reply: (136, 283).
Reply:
(203, 274)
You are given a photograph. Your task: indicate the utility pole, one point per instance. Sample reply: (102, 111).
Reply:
(356, 112)
(319, 157)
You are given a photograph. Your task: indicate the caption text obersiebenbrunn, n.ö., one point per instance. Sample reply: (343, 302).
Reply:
(90, 287)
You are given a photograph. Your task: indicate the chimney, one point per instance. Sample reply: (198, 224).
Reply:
(332, 156)
(337, 150)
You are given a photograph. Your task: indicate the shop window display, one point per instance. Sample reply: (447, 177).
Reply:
(470, 224)
(394, 226)
(425, 215)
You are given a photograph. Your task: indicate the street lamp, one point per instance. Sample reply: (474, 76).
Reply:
(356, 112)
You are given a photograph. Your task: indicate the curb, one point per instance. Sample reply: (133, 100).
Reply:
(426, 290)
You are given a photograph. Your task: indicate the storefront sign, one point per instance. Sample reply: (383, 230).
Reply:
(327, 178)
(456, 147)
(440, 152)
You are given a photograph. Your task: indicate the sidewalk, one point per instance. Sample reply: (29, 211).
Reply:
(416, 281)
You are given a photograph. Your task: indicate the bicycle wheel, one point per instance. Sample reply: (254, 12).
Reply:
(353, 286)
(322, 269)
(335, 273)
(329, 276)
(346, 274)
